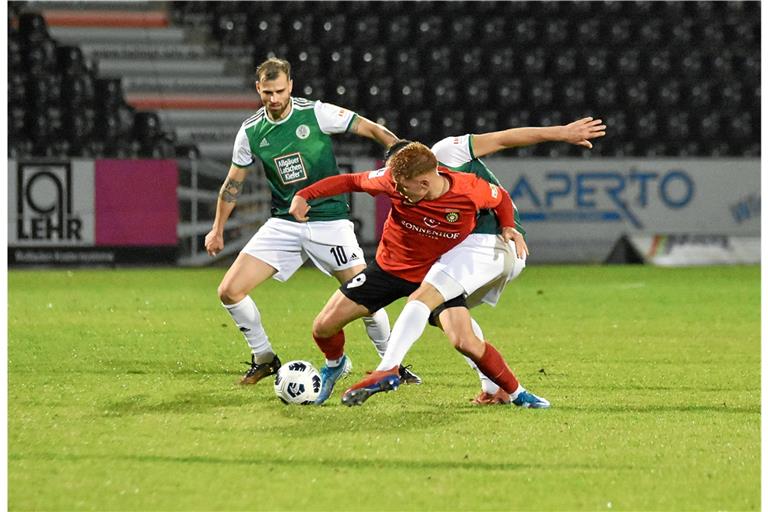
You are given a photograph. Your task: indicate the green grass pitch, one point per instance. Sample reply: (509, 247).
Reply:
(122, 396)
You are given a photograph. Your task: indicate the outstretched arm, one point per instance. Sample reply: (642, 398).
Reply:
(578, 133)
(367, 128)
(326, 187)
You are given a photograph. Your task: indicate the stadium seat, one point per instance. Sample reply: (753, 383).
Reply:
(483, 121)
(32, 26)
(462, 30)
(628, 63)
(439, 61)
(332, 29)
(299, 30)
(668, 94)
(378, 95)
(313, 88)
(428, 31)
(525, 32)
(573, 93)
(367, 29)
(511, 92)
(637, 93)
(588, 33)
(391, 119)
(700, 95)
(709, 127)
(372, 62)
(534, 62)
(619, 33)
(418, 126)
(503, 61)
(450, 123)
(344, 93)
(565, 63)
(445, 94)
(340, 63)
(470, 62)
(399, 31)
(646, 126)
(410, 94)
(660, 64)
(477, 92)
(541, 93)
(556, 32)
(493, 32)
(265, 29)
(78, 89)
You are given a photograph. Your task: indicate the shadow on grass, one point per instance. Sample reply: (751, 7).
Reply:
(262, 412)
(325, 464)
(654, 409)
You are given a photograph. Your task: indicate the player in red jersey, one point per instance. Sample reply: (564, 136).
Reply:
(432, 211)
(473, 272)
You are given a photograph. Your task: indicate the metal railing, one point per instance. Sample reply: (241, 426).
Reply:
(199, 183)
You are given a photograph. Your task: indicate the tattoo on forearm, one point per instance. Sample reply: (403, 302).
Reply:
(231, 190)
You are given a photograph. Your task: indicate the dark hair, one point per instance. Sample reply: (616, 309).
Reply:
(394, 148)
(271, 69)
(414, 160)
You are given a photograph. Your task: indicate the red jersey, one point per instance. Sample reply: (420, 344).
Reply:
(416, 235)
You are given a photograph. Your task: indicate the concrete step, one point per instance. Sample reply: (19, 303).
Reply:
(80, 35)
(126, 50)
(163, 67)
(184, 84)
(189, 101)
(225, 118)
(213, 133)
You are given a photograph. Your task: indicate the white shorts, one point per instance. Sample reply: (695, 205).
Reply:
(480, 267)
(286, 245)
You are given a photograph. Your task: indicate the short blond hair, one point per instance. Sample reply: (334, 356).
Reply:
(413, 160)
(271, 68)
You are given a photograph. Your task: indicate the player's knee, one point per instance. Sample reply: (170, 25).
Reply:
(322, 327)
(228, 294)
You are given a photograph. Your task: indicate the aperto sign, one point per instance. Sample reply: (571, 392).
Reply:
(601, 195)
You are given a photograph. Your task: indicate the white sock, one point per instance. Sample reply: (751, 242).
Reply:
(407, 329)
(377, 327)
(333, 363)
(485, 383)
(248, 320)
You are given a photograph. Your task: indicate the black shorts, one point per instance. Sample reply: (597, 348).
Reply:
(375, 288)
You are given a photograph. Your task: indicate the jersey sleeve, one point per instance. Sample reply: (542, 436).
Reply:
(372, 182)
(332, 118)
(489, 196)
(454, 151)
(241, 154)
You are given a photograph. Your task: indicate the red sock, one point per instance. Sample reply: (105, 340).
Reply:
(494, 367)
(332, 347)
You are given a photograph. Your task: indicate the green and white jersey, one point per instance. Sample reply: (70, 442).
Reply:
(456, 154)
(296, 152)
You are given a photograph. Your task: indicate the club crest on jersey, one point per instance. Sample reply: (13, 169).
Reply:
(452, 217)
(302, 131)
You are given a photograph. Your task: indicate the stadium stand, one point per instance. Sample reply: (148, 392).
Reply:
(671, 78)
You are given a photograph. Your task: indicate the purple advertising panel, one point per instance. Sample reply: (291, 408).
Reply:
(135, 202)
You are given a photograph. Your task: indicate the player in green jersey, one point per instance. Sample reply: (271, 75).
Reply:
(291, 139)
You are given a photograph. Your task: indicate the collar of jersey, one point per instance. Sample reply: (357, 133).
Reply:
(270, 121)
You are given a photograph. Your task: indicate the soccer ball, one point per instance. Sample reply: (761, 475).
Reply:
(297, 382)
